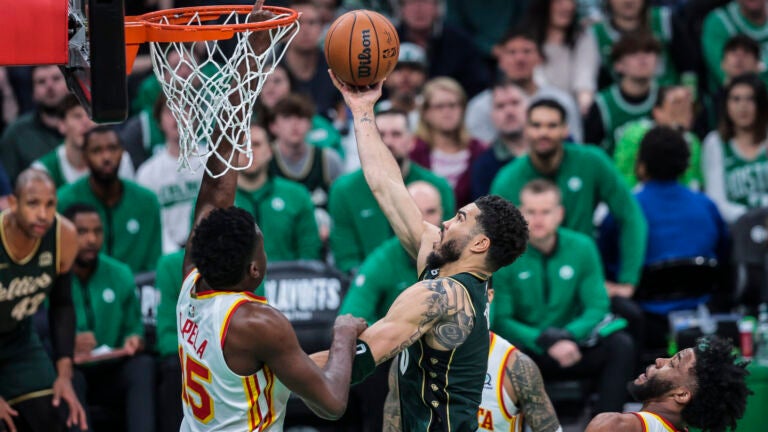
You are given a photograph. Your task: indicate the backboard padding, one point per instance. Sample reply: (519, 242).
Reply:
(33, 32)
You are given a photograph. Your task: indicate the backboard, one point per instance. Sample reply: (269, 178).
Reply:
(84, 37)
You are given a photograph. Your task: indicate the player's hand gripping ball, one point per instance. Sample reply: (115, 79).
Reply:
(362, 47)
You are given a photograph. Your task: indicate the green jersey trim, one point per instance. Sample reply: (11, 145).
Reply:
(744, 26)
(639, 109)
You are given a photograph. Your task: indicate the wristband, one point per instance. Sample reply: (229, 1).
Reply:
(363, 364)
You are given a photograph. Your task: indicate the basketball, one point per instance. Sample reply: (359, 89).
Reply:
(362, 47)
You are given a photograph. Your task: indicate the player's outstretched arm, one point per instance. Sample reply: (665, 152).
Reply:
(523, 382)
(439, 302)
(379, 167)
(219, 192)
(324, 390)
(610, 422)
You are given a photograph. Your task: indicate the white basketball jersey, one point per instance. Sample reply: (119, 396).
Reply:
(654, 422)
(214, 397)
(497, 411)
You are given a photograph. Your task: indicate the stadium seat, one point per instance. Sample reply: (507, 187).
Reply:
(750, 258)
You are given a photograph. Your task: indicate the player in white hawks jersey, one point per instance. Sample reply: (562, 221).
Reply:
(701, 387)
(240, 357)
(514, 391)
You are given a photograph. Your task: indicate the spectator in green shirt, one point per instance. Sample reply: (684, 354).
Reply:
(282, 208)
(586, 177)
(66, 163)
(552, 301)
(36, 133)
(747, 17)
(108, 316)
(130, 213)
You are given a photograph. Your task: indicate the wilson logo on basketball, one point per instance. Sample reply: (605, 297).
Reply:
(364, 67)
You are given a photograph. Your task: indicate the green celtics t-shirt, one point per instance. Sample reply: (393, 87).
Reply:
(746, 181)
(661, 27)
(616, 113)
(132, 229)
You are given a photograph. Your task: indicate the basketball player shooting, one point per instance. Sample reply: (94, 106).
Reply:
(240, 357)
(438, 327)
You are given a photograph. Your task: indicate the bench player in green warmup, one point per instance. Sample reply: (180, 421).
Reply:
(438, 327)
(37, 251)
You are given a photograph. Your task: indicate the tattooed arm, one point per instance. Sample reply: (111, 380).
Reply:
(438, 310)
(523, 383)
(392, 403)
(380, 169)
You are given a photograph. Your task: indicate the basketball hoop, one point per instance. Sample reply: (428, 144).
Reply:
(198, 76)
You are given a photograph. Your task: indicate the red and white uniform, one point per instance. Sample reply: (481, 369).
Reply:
(215, 398)
(497, 411)
(655, 423)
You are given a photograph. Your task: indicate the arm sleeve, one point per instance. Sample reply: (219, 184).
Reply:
(503, 321)
(594, 132)
(592, 294)
(714, 178)
(168, 283)
(346, 248)
(308, 242)
(62, 317)
(632, 226)
(714, 35)
(132, 325)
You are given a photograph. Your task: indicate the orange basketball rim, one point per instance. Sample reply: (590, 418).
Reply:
(194, 24)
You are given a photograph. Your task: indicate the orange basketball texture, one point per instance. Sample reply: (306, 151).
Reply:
(362, 47)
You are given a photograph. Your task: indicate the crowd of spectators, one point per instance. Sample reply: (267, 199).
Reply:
(632, 133)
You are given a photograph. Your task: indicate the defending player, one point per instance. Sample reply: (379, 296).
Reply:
(701, 387)
(439, 326)
(514, 392)
(36, 255)
(240, 357)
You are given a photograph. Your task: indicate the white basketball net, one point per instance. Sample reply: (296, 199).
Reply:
(197, 79)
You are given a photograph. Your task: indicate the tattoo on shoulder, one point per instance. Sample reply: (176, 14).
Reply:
(528, 386)
(449, 308)
(448, 317)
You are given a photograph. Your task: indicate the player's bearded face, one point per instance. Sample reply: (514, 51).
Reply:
(653, 388)
(448, 252)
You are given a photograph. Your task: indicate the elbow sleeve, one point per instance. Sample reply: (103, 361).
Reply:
(62, 317)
